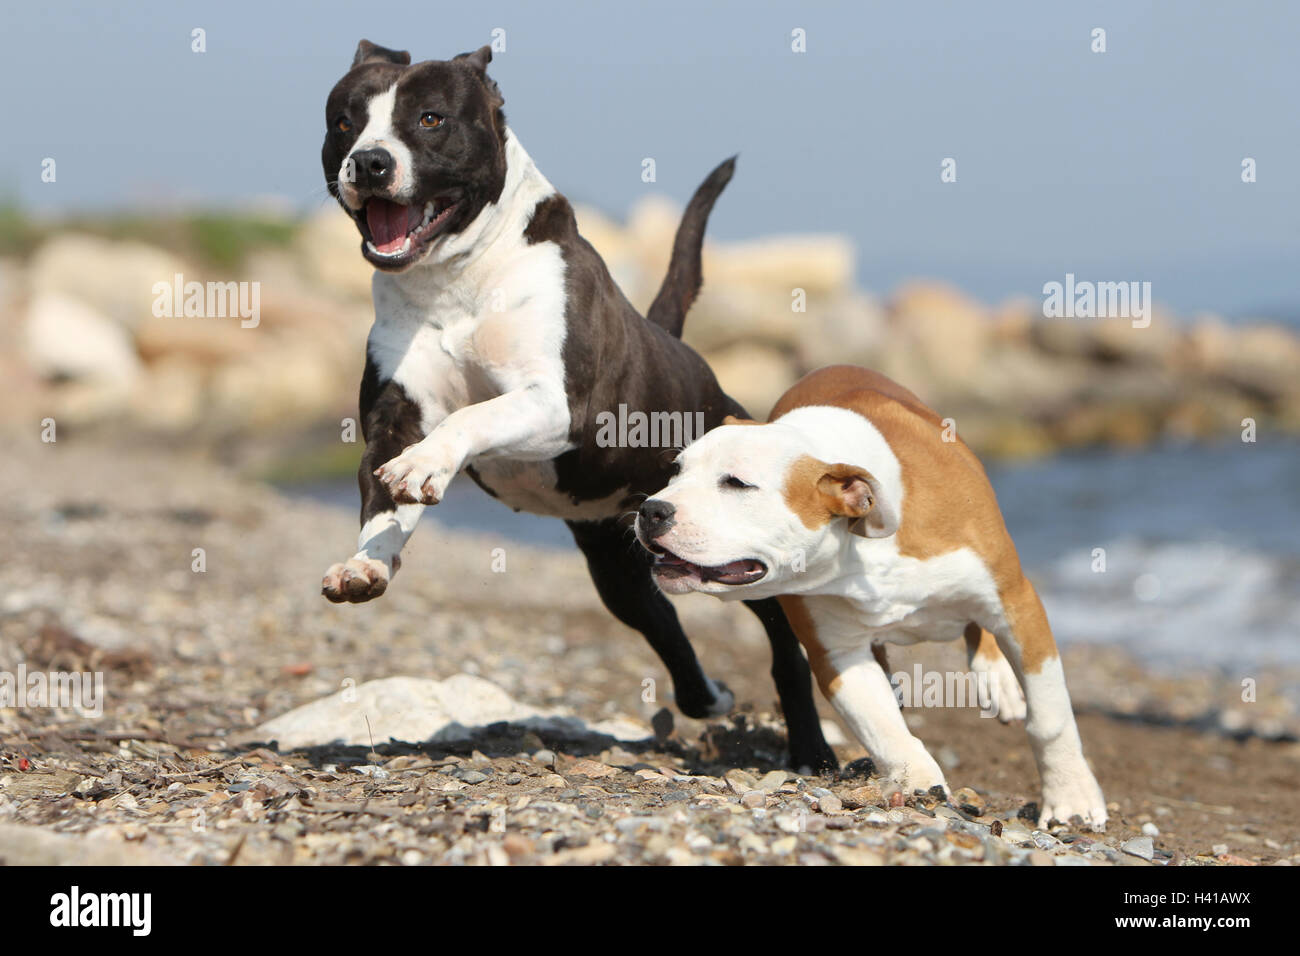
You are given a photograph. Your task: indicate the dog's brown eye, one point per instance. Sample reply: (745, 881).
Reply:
(430, 120)
(731, 481)
(342, 124)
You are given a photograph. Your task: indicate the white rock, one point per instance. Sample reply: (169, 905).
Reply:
(1141, 847)
(65, 338)
(416, 709)
(115, 276)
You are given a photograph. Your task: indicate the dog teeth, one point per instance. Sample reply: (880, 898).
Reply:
(406, 247)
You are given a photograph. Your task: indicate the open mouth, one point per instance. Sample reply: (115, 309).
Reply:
(744, 571)
(395, 234)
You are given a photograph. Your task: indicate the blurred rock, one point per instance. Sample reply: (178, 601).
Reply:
(116, 277)
(754, 375)
(770, 310)
(937, 340)
(329, 248)
(64, 338)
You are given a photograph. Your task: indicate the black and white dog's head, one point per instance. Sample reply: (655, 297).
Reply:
(413, 153)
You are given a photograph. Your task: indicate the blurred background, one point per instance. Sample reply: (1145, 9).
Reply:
(1115, 166)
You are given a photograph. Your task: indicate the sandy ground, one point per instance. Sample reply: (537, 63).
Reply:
(102, 538)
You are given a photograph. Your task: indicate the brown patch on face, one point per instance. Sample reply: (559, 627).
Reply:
(818, 492)
(733, 420)
(796, 612)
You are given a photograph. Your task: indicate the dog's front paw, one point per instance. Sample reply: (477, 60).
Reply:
(356, 580)
(416, 478)
(1081, 798)
(919, 773)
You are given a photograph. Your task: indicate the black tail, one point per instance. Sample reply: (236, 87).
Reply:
(682, 283)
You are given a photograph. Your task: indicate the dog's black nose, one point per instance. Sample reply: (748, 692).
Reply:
(373, 168)
(656, 517)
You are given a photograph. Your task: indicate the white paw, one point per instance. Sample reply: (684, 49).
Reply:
(1080, 798)
(356, 580)
(416, 477)
(919, 773)
(999, 690)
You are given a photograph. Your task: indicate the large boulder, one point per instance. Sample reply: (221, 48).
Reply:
(328, 247)
(65, 338)
(755, 375)
(115, 277)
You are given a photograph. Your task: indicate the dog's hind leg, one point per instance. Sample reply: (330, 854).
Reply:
(1069, 788)
(620, 569)
(808, 747)
(999, 690)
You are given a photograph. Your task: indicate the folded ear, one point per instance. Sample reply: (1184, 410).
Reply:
(479, 59)
(733, 420)
(855, 493)
(367, 51)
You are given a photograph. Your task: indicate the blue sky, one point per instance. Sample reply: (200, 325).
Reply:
(1122, 165)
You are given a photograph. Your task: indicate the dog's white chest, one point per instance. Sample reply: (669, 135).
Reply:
(904, 600)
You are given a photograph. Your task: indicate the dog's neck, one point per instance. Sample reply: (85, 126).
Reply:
(499, 224)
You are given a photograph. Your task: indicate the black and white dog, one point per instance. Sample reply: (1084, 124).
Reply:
(498, 338)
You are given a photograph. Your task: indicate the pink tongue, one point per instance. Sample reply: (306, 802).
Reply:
(389, 223)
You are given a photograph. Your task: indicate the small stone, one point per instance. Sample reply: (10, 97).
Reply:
(552, 780)
(740, 781)
(829, 804)
(588, 768)
(544, 757)
(785, 845)
(1219, 849)
(517, 846)
(772, 781)
(1150, 829)
(472, 777)
(662, 723)
(868, 795)
(896, 799)
(754, 799)
(968, 800)
(1141, 847)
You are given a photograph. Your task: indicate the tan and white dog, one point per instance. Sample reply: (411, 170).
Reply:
(872, 528)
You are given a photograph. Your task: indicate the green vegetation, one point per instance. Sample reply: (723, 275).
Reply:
(217, 239)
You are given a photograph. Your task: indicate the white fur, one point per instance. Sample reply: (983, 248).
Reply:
(861, 590)
(378, 132)
(474, 333)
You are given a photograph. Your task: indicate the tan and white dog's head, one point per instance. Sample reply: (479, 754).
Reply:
(752, 513)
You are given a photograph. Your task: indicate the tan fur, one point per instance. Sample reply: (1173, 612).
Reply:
(931, 525)
(796, 612)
